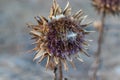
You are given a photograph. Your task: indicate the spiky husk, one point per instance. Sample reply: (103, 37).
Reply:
(61, 37)
(107, 6)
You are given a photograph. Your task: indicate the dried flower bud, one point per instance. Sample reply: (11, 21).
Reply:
(61, 37)
(107, 6)
(97, 25)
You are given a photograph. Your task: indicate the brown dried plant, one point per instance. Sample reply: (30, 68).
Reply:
(104, 7)
(60, 38)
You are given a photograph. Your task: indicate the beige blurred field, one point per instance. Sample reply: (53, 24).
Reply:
(17, 64)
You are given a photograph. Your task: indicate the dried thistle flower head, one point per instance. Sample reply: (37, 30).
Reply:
(61, 37)
(107, 6)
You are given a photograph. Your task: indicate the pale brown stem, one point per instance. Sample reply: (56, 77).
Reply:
(58, 74)
(60, 70)
(96, 63)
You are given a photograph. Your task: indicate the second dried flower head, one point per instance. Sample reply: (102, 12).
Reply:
(61, 37)
(107, 6)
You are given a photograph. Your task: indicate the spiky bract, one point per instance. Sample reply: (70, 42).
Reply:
(61, 37)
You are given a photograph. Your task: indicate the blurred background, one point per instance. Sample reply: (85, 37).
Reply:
(16, 63)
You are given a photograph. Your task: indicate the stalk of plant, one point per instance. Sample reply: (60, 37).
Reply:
(103, 7)
(96, 63)
(60, 71)
(55, 73)
(60, 38)
(58, 67)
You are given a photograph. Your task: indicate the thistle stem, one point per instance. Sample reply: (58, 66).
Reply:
(96, 63)
(60, 70)
(55, 73)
